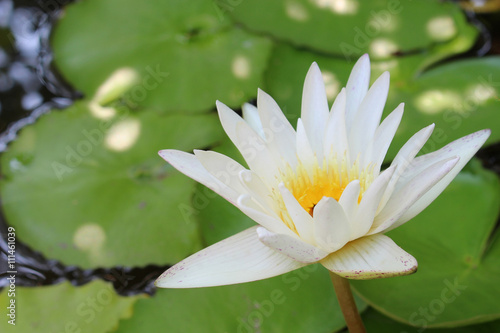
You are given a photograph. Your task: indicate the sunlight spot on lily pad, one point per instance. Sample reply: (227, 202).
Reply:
(441, 28)
(101, 112)
(434, 101)
(388, 65)
(382, 48)
(241, 67)
(332, 85)
(480, 93)
(339, 6)
(296, 11)
(16, 164)
(89, 237)
(384, 21)
(118, 83)
(123, 135)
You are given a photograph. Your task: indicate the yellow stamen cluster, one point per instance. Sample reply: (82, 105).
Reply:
(309, 183)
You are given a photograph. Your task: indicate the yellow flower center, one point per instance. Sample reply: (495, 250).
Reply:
(309, 184)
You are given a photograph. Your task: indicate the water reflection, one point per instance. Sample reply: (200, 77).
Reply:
(27, 80)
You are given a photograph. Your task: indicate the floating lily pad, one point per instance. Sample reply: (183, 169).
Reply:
(186, 54)
(218, 218)
(94, 307)
(350, 28)
(299, 301)
(377, 323)
(93, 192)
(460, 97)
(458, 252)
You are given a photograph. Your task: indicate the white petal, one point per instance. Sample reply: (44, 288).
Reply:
(335, 140)
(268, 221)
(367, 208)
(367, 119)
(254, 150)
(256, 188)
(225, 169)
(280, 134)
(291, 247)
(314, 112)
(405, 197)
(356, 88)
(304, 151)
(301, 219)
(404, 157)
(410, 149)
(251, 116)
(250, 144)
(189, 165)
(465, 148)
(331, 226)
(229, 119)
(370, 257)
(384, 135)
(237, 259)
(349, 199)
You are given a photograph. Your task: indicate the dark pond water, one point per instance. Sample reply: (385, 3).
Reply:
(30, 87)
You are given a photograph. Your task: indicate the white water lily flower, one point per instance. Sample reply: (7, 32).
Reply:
(317, 192)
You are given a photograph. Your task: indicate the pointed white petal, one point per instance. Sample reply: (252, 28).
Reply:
(349, 199)
(356, 88)
(404, 157)
(237, 259)
(229, 119)
(279, 133)
(290, 246)
(406, 196)
(254, 150)
(189, 165)
(304, 151)
(464, 148)
(411, 148)
(335, 140)
(384, 135)
(367, 208)
(370, 257)
(367, 119)
(301, 219)
(331, 226)
(314, 108)
(251, 116)
(268, 221)
(225, 169)
(250, 144)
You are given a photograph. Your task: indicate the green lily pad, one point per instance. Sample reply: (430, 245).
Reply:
(93, 192)
(460, 97)
(185, 54)
(377, 323)
(218, 218)
(94, 307)
(351, 28)
(299, 301)
(458, 254)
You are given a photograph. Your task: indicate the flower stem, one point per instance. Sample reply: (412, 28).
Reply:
(347, 305)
